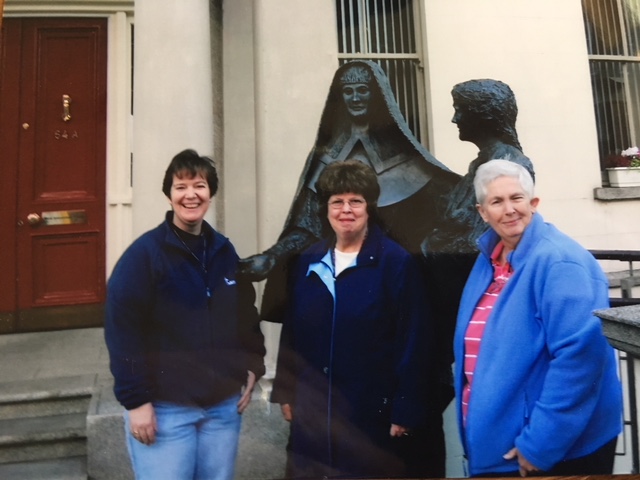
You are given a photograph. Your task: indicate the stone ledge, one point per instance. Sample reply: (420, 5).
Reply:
(47, 388)
(612, 194)
(72, 468)
(107, 457)
(15, 431)
(621, 326)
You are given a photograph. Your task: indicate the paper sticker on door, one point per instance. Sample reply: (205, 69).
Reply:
(64, 217)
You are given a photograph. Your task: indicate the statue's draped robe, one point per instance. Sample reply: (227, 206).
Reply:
(412, 182)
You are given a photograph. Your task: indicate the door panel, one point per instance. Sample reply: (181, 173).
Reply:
(52, 255)
(60, 206)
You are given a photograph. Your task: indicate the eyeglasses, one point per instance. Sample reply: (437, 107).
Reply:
(354, 203)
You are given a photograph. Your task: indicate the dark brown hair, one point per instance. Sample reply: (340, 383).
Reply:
(350, 176)
(189, 163)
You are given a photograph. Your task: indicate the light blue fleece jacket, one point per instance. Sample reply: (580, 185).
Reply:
(546, 379)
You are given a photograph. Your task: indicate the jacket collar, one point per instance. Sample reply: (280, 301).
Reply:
(368, 255)
(214, 239)
(530, 237)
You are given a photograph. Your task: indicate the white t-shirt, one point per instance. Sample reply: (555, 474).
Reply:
(344, 260)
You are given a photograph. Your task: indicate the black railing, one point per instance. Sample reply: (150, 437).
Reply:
(627, 280)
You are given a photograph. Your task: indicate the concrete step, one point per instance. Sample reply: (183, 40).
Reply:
(41, 438)
(46, 397)
(44, 422)
(73, 468)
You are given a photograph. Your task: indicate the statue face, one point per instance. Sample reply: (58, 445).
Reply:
(467, 125)
(356, 97)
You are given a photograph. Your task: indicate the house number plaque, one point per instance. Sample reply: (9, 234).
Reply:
(65, 135)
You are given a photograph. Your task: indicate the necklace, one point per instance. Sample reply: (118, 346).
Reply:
(203, 262)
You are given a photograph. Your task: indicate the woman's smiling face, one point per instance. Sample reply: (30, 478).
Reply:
(190, 200)
(508, 209)
(347, 215)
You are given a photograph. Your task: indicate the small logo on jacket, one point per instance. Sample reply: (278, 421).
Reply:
(229, 282)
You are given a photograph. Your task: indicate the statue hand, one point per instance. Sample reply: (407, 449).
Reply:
(256, 267)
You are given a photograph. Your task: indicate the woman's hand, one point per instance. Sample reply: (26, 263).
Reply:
(247, 390)
(287, 413)
(397, 430)
(525, 467)
(143, 425)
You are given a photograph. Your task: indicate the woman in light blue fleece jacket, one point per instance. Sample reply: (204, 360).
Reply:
(536, 382)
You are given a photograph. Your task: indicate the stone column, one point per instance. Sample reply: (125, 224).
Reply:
(172, 97)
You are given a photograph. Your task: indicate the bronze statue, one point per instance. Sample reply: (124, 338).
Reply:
(361, 120)
(485, 112)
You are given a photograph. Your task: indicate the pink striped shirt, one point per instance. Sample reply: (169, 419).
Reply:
(475, 329)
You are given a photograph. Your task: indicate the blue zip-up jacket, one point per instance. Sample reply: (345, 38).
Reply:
(545, 379)
(355, 356)
(176, 333)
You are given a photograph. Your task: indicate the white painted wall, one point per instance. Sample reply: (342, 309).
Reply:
(295, 48)
(539, 49)
(119, 192)
(240, 175)
(279, 59)
(173, 98)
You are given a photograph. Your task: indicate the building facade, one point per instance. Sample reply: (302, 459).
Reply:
(245, 81)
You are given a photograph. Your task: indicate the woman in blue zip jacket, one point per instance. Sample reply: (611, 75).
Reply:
(183, 336)
(537, 390)
(355, 370)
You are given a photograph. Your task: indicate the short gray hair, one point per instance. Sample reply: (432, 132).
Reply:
(496, 168)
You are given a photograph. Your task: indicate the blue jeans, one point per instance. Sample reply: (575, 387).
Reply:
(191, 443)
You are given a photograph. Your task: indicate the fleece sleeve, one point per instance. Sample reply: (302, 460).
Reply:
(415, 368)
(567, 296)
(129, 305)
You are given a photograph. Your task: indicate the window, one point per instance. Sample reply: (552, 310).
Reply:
(613, 40)
(386, 31)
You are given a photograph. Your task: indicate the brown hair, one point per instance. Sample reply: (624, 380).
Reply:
(190, 163)
(350, 176)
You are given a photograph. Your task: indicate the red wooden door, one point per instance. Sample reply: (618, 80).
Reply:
(53, 114)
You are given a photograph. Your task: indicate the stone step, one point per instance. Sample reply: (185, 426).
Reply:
(40, 438)
(72, 468)
(46, 396)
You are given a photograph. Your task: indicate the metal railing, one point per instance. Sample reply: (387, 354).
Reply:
(627, 280)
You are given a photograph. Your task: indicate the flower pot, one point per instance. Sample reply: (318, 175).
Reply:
(624, 176)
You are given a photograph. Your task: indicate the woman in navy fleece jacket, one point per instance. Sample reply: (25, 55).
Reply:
(183, 336)
(536, 381)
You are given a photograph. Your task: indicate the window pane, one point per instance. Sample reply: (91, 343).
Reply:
(632, 79)
(384, 31)
(612, 29)
(603, 27)
(375, 26)
(632, 25)
(610, 107)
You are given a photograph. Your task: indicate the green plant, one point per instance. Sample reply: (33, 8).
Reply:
(628, 158)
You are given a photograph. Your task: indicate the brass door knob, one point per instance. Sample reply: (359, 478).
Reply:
(34, 219)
